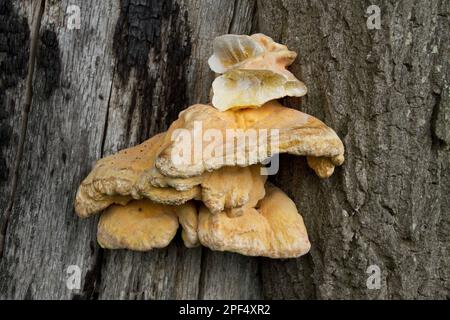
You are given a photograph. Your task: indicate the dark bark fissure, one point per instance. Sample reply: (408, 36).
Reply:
(105, 126)
(48, 64)
(139, 37)
(233, 17)
(34, 40)
(254, 25)
(202, 277)
(137, 32)
(92, 280)
(284, 22)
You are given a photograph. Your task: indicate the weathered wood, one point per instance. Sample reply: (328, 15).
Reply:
(229, 276)
(15, 34)
(64, 137)
(131, 68)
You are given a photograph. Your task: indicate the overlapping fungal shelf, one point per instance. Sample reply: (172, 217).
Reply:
(144, 194)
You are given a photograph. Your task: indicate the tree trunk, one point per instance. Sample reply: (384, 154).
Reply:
(132, 66)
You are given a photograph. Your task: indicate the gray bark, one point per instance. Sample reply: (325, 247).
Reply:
(135, 64)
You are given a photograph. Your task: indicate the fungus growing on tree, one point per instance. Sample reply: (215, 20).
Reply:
(213, 158)
(127, 175)
(115, 179)
(143, 225)
(271, 125)
(253, 71)
(273, 228)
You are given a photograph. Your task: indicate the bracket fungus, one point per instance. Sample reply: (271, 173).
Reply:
(116, 179)
(143, 225)
(253, 71)
(127, 175)
(262, 129)
(207, 172)
(273, 228)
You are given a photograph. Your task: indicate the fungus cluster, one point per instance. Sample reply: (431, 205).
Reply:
(211, 182)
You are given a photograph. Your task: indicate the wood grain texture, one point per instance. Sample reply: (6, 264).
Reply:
(64, 137)
(15, 34)
(135, 64)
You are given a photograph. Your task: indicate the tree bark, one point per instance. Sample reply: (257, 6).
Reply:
(135, 64)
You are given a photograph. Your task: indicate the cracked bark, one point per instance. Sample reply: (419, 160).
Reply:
(134, 65)
(387, 205)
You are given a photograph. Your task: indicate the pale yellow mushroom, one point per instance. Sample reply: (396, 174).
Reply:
(142, 225)
(286, 131)
(188, 218)
(253, 71)
(273, 229)
(128, 174)
(322, 166)
(231, 50)
(116, 179)
(231, 188)
(225, 188)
